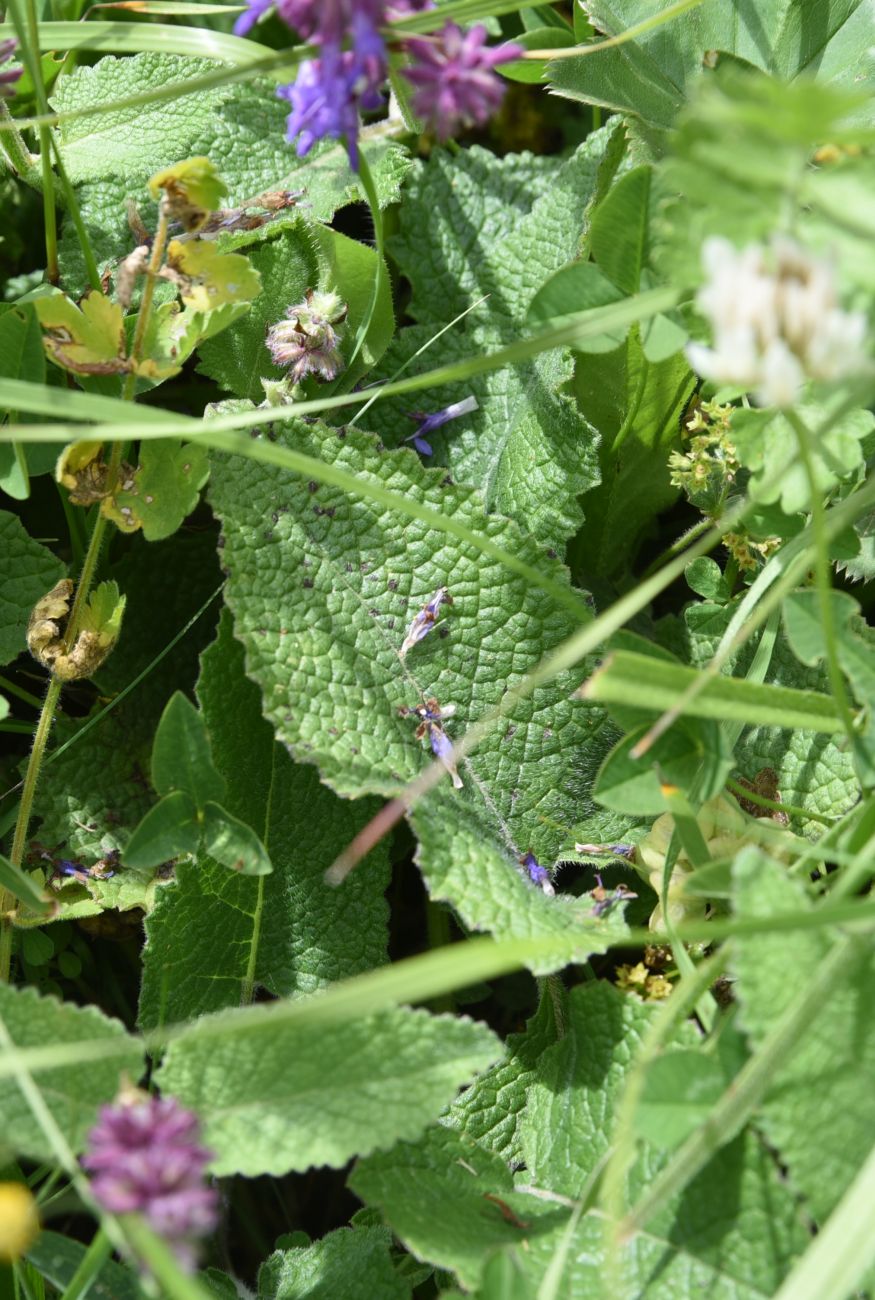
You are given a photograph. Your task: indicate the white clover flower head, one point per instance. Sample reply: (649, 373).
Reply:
(776, 320)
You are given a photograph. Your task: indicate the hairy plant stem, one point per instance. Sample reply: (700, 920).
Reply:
(823, 578)
(28, 35)
(12, 144)
(83, 588)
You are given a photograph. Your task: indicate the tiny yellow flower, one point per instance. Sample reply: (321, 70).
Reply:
(19, 1221)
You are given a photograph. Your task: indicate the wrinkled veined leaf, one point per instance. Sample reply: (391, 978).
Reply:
(344, 1265)
(260, 1092)
(27, 571)
(323, 624)
(210, 279)
(478, 226)
(89, 340)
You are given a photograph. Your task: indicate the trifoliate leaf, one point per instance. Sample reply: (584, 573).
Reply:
(181, 757)
(89, 340)
(170, 829)
(234, 844)
(72, 1091)
(260, 1091)
(210, 279)
(193, 189)
(214, 935)
(766, 444)
(477, 226)
(323, 624)
(27, 571)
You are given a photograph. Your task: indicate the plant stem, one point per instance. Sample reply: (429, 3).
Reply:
(823, 577)
(83, 587)
(7, 901)
(146, 305)
(12, 144)
(89, 1266)
(29, 39)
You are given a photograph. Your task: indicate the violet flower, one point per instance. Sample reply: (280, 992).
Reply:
(538, 875)
(423, 622)
(8, 76)
(442, 748)
(455, 83)
(308, 341)
(144, 1158)
(436, 419)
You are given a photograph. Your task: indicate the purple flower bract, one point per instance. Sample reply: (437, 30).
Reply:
(144, 1157)
(454, 79)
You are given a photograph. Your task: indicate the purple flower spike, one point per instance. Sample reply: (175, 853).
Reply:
(8, 76)
(454, 80)
(144, 1158)
(538, 875)
(436, 419)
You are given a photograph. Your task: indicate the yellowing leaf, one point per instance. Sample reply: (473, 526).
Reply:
(89, 340)
(209, 278)
(192, 188)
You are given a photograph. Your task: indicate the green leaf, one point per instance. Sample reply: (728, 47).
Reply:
(21, 356)
(572, 289)
(643, 682)
(813, 770)
(181, 754)
(292, 262)
(634, 785)
(168, 830)
(536, 38)
(637, 406)
(27, 571)
(240, 126)
(214, 935)
(478, 225)
(23, 887)
(166, 486)
(88, 340)
(679, 1091)
(194, 183)
(322, 628)
(705, 577)
(567, 1129)
(93, 795)
(263, 1092)
(57, 1258)
(214, 278)
(819, 1112)
(344, 1265)
(234, 844)
(764, 441)
(618, 233)
(651, 75)
(72, 1092)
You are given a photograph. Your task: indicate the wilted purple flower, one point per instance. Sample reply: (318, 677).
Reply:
(454, 78)
(538, 875)
(308, 342)
(8, 76)
(435, 420)
(425, 620)
(442, 748)
(144, 1158)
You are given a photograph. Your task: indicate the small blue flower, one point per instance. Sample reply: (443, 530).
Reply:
(436, 419)
(538, 875)
(442, 748)
(425, 620)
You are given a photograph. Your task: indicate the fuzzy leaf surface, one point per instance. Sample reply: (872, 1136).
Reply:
(344, 1265)
(819, 1112)
(322, 596)
(477, 225)
(240, 127)
(263, 1093)
(28, 570)
(213, 933)
(72, 1092)
(650, 75)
